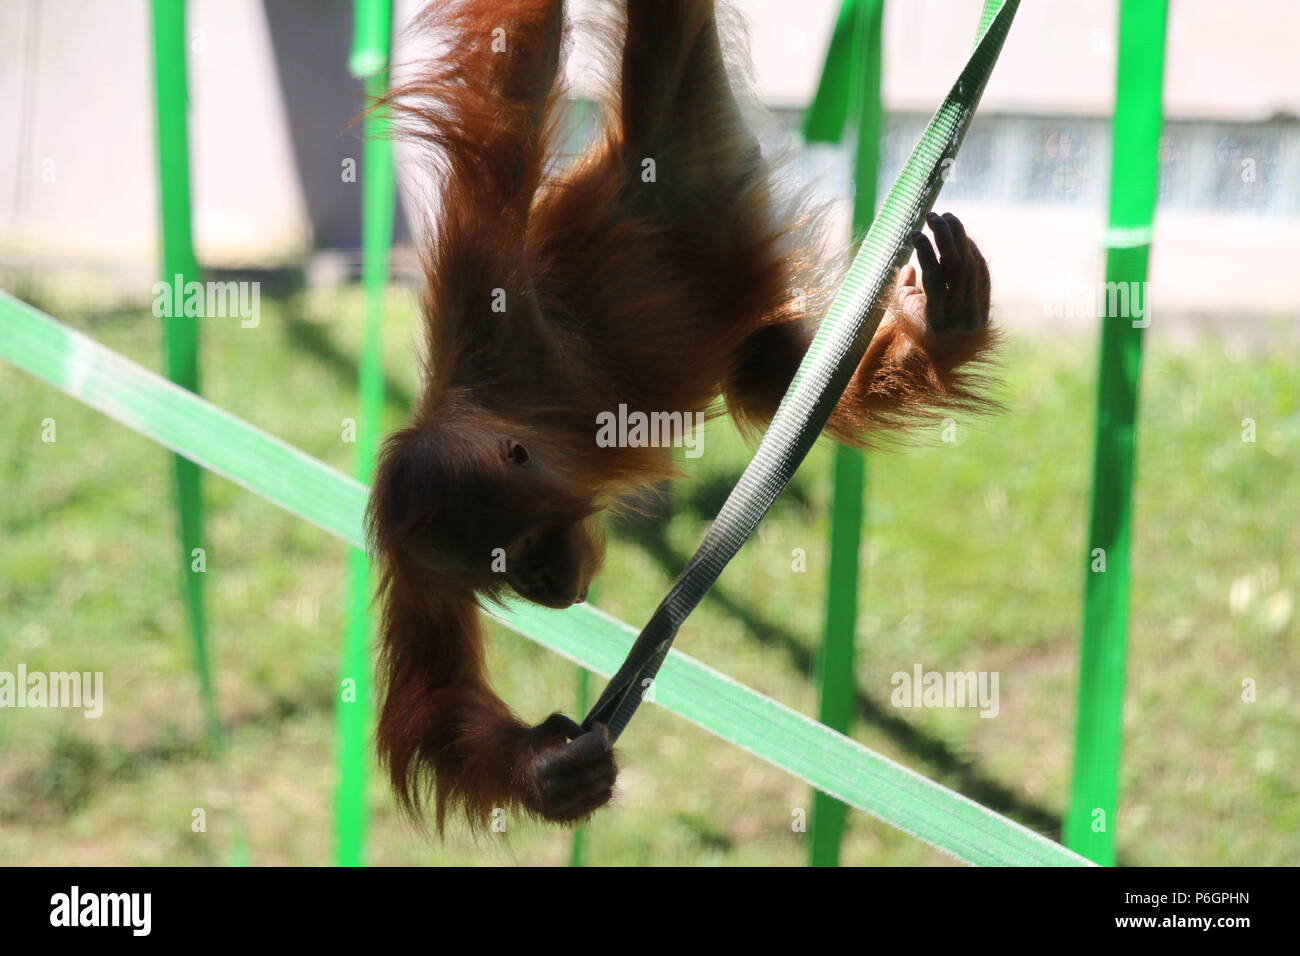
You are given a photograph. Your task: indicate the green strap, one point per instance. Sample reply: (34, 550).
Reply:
(372, 39)
(851, 75)
(1090, 822)
(310, 489)
(820, 379)
(582, 700)
(180, 333)
(828, 114)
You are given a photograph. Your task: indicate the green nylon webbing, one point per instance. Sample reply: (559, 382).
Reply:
(180, 332)
(310, 489)
(1135, 176)
(839, 83)
(850, 78)
(371, 43)
(821, 378)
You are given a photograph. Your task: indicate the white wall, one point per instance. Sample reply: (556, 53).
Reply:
(77, 177)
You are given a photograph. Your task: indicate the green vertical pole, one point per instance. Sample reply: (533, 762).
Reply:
(1135, 173)
(180, 333)
(372, 41)
(578, 848)
(850, 78)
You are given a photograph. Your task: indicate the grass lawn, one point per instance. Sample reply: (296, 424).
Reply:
(973, 561)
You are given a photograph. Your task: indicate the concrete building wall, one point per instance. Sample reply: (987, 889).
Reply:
(269, 134)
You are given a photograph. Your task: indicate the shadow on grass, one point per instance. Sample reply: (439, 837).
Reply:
(949, 766)
(76, 768)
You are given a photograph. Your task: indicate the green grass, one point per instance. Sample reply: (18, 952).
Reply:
(973, 562)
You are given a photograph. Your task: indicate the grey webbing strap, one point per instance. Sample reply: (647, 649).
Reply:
(822, 377)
